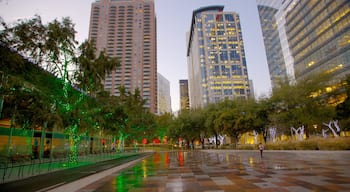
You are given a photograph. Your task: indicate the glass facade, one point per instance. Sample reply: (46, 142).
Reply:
(164, 99)
(268, 10)
(184, 97)
(319, 37)
(216, 58)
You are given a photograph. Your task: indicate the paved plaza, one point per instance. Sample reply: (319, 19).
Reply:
(228, 170)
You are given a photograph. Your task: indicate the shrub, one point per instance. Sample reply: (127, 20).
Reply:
(281, 145)
(339, 143)
(247, 147)
(309, 144)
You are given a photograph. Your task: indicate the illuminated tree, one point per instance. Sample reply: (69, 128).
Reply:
(53, 47)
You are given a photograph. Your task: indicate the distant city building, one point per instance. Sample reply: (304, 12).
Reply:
(184, 96)
(319, 37)
(164, 99)
(127, 29)
(268, 19)
(217, 66)
(251, 85)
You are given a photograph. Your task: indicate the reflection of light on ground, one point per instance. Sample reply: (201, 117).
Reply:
(278, 167)
(251, 161)
(167, 159)
(227, 157)
(180, 158)
(132, 178)
(214, 168)
(144, 168)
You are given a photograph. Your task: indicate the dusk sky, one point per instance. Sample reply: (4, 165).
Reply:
(173, 21)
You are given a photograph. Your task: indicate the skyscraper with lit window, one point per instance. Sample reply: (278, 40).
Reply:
(127, 29)
(184, 96)
(217, 66)
(319, 37)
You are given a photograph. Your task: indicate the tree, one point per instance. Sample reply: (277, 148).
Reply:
(92, 69)
(262, 120)
(27, 37)
(237, 117)
(343, 109)
(213, 125)
(303, 103)
(53, 46)
(197, 125)
(164, 122)
(140, 123)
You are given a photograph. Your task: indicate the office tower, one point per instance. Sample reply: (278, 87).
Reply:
(164, 99)
(251, 86)
(319, 37)
(127, 29)
(184, 97)
(268, 10)
(288, 57)
(217, 66)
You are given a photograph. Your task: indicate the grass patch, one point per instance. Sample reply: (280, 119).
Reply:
(281, 145)
(340, 143)
(247, 147)
(313, 143)
(337, 143)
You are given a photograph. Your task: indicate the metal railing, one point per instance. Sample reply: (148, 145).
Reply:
(22, 166)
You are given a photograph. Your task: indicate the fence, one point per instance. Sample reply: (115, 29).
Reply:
(21, 166)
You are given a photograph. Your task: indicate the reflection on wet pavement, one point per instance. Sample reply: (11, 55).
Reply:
(220, 171)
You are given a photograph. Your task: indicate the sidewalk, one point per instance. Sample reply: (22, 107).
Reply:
(232, 170)
(51, 179)
(202, 171)
(23, 168)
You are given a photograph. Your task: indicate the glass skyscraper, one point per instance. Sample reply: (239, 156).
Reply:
(319, 37)
(164, 99)
(127, 29)
(268, 10)
(217, 66)
(184, 96)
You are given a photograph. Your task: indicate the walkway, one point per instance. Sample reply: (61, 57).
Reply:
(219, 171)
(51, 180)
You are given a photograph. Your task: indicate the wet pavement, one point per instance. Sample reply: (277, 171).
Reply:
(228, 170)
(54, 179)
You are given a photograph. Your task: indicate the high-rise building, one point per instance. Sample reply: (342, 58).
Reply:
(217, 66)
(319, 37)
(164, 99)
(268, 10)
(127, 29)
(184, 97)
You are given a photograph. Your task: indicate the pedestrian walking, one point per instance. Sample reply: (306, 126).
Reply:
(261, 149)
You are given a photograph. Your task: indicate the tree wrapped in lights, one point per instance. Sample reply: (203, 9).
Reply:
(54, 48)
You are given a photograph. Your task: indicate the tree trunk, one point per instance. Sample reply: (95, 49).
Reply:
(9, 141)
(73, 144)
(42, 140)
